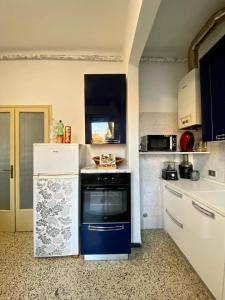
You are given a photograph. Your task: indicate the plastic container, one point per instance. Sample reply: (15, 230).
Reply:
(195, 175)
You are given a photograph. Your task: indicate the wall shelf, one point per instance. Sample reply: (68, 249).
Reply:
(170, 152)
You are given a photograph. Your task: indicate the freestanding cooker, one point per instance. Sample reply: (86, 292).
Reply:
(105, 215)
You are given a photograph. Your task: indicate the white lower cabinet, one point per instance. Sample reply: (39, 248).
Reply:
(175, 215)
(199, 232)
(205, 236)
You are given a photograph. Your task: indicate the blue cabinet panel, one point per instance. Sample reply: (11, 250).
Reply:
(212, 78)
(105, 108)
(114, 238)
(217, 67)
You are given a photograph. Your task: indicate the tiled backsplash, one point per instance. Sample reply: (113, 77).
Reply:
(151, 166)
(214, 161)
(158, 123)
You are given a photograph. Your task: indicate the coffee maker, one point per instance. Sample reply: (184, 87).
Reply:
(185, 167)
(169, 171)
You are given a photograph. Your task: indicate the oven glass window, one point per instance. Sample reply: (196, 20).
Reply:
(104, 204)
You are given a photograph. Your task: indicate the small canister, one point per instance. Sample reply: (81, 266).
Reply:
(67, 138)
(195, 175)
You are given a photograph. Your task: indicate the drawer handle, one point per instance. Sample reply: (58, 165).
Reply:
(220, 136)
(174, 220)
(102, 228)
(203, 210)
(174, 192)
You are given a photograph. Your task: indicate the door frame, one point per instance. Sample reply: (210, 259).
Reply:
(7, 217)
(22, 219)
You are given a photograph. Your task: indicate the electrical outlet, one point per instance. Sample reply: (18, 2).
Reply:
(212, 173)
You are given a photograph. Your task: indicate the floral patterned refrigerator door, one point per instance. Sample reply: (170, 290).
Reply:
(55, 215)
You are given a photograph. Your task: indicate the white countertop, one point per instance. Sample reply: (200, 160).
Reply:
(207, 192)
(93, 169)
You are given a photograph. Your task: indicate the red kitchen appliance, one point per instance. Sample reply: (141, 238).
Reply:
(187, 141)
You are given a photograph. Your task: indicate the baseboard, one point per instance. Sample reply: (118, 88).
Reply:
(135, 245)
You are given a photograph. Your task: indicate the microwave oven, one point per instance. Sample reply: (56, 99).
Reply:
(158, 143)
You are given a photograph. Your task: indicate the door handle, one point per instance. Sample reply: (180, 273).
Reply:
(108, 228)
(174, 192)
(9, 170)
(203, 210)
(220, 136)
(174, 220)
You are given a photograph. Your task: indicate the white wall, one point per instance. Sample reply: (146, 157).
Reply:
(158, 115)
(57, 83)
(158, 86)
(61, 84)
(132, 140)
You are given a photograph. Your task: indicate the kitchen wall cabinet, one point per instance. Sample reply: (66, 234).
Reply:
(212, 78)
(199, 233)
(105, 108)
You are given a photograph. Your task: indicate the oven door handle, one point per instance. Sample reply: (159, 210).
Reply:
(105, 188)
(94, 189)
(108, 228)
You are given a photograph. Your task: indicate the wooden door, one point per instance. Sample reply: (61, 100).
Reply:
(20, 127)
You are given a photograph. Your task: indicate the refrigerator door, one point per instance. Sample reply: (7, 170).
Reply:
(55, 216)
(56, 159)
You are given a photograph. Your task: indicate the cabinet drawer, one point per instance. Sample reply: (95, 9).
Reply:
(106, 238)
(173, 201)
(175, 216)
(174, 228)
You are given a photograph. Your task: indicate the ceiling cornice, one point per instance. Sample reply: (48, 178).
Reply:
(65, 57)
(168, 59)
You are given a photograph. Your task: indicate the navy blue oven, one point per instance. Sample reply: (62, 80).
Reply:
(105, 213)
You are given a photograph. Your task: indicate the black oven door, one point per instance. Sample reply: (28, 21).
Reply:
(101, 204)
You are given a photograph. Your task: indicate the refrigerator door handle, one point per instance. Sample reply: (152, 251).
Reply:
(55, 174)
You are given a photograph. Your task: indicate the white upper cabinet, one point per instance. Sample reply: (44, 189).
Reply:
(189, 111)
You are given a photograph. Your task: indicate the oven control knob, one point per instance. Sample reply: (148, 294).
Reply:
(105, 178)
(98, 178)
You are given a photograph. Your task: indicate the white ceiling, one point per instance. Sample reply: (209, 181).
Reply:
(63, 25)
(176, 24)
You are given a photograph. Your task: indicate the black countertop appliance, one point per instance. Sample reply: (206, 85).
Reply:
(185, 167)
(169, 171)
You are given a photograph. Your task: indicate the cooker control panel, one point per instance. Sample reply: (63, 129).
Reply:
(105, 178)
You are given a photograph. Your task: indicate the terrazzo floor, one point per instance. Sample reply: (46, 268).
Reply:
(156, 271)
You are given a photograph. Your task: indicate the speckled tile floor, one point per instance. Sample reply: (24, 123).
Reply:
(157, 271)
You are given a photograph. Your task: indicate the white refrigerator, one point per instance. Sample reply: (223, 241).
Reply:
(55, 199)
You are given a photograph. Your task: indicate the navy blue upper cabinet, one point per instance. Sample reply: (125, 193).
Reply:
(105, 108)
(212, 76)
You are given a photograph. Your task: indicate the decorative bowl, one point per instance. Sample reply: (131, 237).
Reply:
(119, 160)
